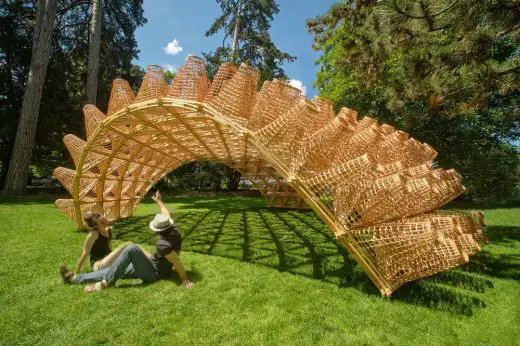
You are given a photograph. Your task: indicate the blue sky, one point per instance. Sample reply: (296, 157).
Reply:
(186, 22)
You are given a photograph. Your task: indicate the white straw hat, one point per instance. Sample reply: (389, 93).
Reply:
(160, 223)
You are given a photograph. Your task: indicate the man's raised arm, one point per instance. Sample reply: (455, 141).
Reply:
(158, 199)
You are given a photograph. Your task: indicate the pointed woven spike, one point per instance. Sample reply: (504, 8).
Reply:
(66, 178)
(365, 123)
(348, 116)
(418, 171)
(353, 168)
(274, 99)
(121, 96)
(324, 115)
(283, 136)
(387, 129)
(190, 82)
(75, 146)
(389, 168)
(371, 204)
(390, 149)
(93, 118)
(67, 206)
(397, 268)
(363, 140)
(237, 97)
(224, 74)
(316, 150)
(154, 86)
(416, 153)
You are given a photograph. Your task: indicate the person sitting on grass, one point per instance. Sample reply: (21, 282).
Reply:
(135, 262)
(97, 243)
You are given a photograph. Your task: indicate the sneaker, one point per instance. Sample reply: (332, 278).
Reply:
(66, 274)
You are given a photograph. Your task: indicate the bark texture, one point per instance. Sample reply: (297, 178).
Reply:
(24, 142)
(234, 47)
(93, 51)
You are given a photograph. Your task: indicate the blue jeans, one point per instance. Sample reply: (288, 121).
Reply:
(131, 264)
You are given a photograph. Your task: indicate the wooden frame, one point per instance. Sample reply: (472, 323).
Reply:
(372, 185)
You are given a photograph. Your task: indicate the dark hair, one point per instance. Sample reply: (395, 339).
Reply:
(90, 221)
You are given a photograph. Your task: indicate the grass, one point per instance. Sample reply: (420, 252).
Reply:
(262, 276)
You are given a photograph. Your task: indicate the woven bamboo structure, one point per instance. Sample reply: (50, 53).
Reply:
(371, 184)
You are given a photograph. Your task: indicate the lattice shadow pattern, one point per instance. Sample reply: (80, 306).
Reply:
(298, 243)
(371, 184)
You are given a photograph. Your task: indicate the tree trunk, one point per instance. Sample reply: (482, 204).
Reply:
(93, 51)
(235, 35)
(26, 132)
(233, 178)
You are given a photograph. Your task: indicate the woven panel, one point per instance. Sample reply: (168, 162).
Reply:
(154, 85)
(237, 97)
(274, 99)
(190, 82)
(121, 96)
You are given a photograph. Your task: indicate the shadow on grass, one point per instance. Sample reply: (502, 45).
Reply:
(503, 265)
(194, 275)
(298, 242)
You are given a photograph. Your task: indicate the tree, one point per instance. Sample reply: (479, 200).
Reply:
(248, 24)
(93, 53)
(64, 90)
(26, 131)
(447, 71)
(16, 31)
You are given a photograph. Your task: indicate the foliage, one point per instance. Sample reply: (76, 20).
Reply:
(200, 176)
(255, 46)
(64, 91)
(446, 71)
(169, 76)
(262, 276)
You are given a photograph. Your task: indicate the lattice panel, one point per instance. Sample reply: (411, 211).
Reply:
(372, 184)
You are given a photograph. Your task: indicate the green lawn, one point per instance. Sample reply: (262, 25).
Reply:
(262, 276)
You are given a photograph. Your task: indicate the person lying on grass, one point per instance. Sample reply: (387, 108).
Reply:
(97, 243)
(135, 262)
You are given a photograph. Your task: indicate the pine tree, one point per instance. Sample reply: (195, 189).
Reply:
(93, 52)
(247, 23)
(447, 71)
(26, 131)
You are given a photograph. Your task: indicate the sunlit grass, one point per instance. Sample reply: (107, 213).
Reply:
(262, 276)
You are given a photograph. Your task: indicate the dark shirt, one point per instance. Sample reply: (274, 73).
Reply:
(169, 240)
(101, 247)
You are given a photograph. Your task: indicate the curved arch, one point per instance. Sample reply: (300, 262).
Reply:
(372, 185)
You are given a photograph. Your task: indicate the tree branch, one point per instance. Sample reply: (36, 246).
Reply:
(446, 9)
(513, 69)
(396, 7)
(508, 31)
(72, 5)
(73, 24)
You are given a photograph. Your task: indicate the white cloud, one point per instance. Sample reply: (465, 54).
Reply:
(173, 47)
(298, 85)
(169, 67)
